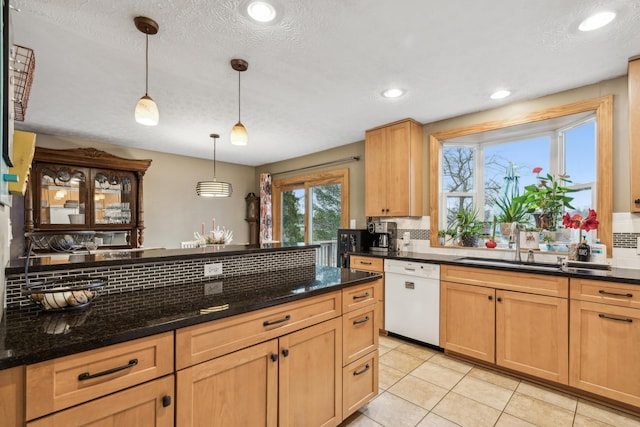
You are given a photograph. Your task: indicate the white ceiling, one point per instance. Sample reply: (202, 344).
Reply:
(314, 77)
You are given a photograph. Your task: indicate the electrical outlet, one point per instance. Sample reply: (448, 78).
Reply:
(212, 288)
(214, 269)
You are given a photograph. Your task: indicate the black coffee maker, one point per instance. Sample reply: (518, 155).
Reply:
(352, 240)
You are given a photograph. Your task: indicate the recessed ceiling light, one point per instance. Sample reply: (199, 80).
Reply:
(596, 21)
(261, 11)
(499, 94)
(393, 93)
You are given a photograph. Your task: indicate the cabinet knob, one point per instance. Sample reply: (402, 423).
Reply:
(166, 401)
(490, 298)
(274, 357)
(637, 201)
(499, 299)
(285, 352)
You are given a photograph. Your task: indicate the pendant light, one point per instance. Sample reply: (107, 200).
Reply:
(146, 109)
(239, 134)
(214, 188)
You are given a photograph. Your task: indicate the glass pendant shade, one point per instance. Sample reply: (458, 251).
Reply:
(214, 189)
(239, 135)
(147, 111)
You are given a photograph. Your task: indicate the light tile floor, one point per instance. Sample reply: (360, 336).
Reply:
(420, 387)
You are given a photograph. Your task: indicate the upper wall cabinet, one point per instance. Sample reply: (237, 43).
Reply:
(393, 170)
(87, 189)
(634, 131)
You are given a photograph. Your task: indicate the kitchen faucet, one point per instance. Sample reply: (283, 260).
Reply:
(515, 233)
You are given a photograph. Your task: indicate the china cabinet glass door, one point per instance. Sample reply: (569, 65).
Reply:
(62, 198)
(113, 197)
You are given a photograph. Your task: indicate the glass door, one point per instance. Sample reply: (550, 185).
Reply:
(293, 216)
(62, 196)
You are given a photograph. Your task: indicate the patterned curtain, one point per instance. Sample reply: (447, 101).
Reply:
(266, 225)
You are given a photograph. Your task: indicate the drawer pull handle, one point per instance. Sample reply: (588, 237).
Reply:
(275, 322)
(166, 401)
(604, 316)
(357, 322)
(366, 295)
(366, 262)
(88, 376)
(366, 368)
(602, 292)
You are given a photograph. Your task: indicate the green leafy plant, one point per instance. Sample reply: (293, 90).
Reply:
(466, 225)
(512, 209)
(548, 197)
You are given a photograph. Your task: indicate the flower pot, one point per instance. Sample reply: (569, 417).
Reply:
(505, 229)
(530, 239)
(469, 241)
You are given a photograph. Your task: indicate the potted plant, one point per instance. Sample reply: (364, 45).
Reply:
(547, 199)
(511, 210)
(467, 227)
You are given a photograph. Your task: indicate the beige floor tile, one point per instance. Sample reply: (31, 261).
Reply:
(433, 420)
(383, 349)
(557, 398)
(437, 374)
(358, 419)
(538, 412)
(391, 342)
(451, 363)
(582, 421)
(418, 391)
(418, 351)
(388, 376)
(507, 420)
(494, 377)
(484, 392)
(393, 411)
(401, 361)
(606, 415)
(466, 412)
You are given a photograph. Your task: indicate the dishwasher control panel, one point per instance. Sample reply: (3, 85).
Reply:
(410, 268)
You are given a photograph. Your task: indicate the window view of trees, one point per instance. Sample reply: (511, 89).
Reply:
(325, 220)
(293, 217)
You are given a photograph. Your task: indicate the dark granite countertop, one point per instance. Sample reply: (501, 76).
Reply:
(30, 335)
(82, 259)
(624, 275)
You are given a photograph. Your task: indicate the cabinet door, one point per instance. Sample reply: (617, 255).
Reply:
(467, 320)
(532, 334)
(12, 396)
(311, 376)
(398, 165)
(147, 405)
(604, 350)
(634, 132)
(114, 197)
(61, 198)
(239, 389)
(375, 170)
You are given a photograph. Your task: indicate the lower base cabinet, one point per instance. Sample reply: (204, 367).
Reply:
(12, 397)
(604, 350)
(294, 380)
(146, 405)
(359, 383)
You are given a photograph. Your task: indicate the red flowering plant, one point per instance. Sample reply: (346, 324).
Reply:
(577, 221)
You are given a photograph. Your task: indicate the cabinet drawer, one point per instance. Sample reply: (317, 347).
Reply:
(359, 333)
(366, 263)
(359, 383)
(138, 406)
(601, 291)
(199, 343)
(359, 296)
(541, 284)
(57, 384)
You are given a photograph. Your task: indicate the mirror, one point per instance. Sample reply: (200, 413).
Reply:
(600, 108)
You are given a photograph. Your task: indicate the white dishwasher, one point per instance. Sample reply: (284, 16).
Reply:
(412, 300)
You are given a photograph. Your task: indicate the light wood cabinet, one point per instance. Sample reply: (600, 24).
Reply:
(604, 347)
(523, 331)
(238, 389)
(374, 265)
(532, 334)
(634, 132)
(393, 170)
(146, 405)
(467, 320)
(12, 396)
(59, 383)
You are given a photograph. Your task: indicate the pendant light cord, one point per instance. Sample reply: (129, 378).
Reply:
(146, 69)
(214, 159)
(239, 121)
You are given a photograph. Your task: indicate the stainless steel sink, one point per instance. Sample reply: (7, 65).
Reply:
(509, 263)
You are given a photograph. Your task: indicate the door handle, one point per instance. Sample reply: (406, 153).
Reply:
(87, 376)
(275, 322)
(604, 316)
(603, 292)
(357, 322)
(366, 295)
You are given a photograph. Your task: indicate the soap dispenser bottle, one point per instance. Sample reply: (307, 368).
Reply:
(584, 251)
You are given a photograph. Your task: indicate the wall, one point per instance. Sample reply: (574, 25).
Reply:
(356, 173)
(172, 210)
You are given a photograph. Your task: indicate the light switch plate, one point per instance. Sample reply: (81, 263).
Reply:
(214, 269)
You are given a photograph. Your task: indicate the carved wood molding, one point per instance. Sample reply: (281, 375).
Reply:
(88, 157)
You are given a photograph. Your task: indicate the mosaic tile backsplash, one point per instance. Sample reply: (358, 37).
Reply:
(133, 277)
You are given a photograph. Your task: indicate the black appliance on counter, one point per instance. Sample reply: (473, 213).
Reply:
(352, 240)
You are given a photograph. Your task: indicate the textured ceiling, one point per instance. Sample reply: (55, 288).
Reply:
(314, 77)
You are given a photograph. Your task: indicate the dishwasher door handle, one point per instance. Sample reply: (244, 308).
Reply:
(409, 285)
